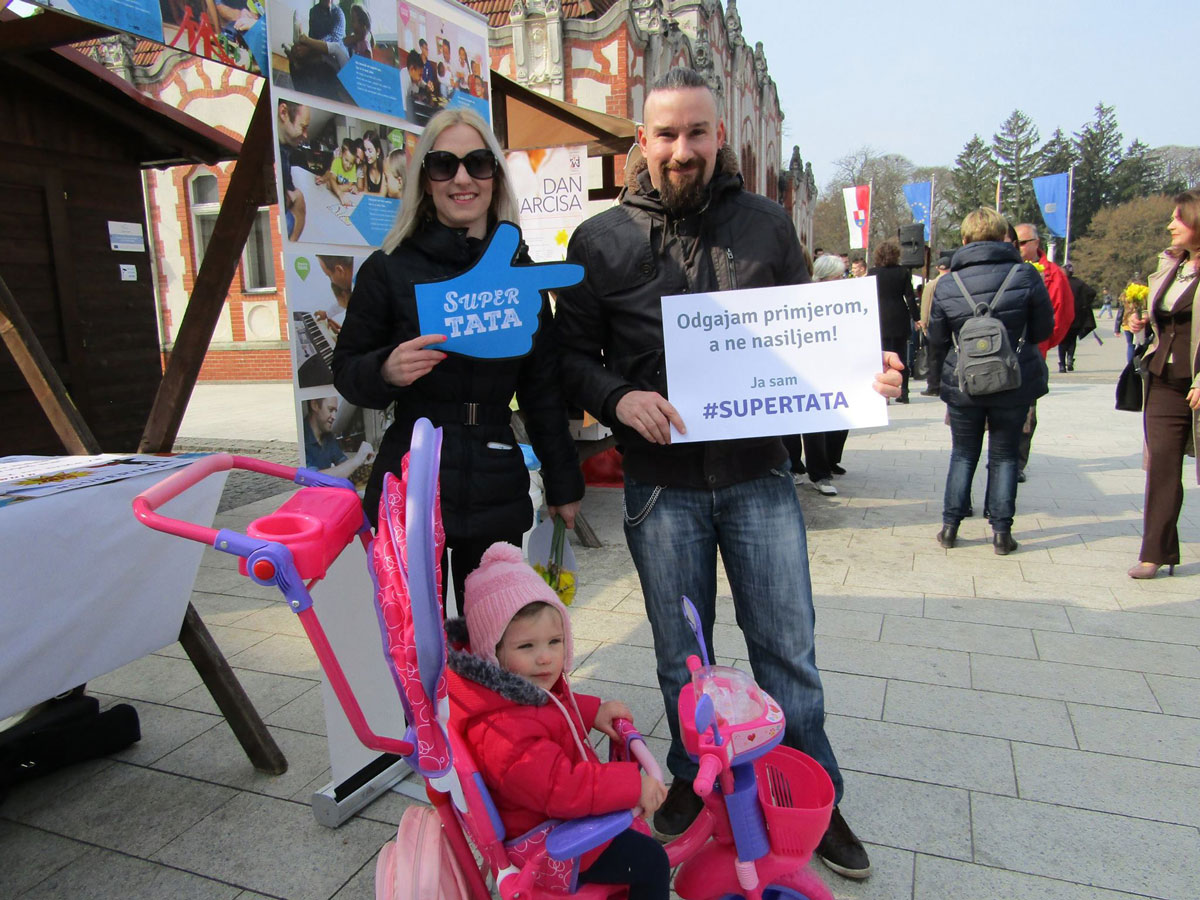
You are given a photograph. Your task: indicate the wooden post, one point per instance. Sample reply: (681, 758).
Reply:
(248, 188)
(229, 695)
(43, 379)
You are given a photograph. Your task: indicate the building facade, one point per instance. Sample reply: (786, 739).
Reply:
(602, 55)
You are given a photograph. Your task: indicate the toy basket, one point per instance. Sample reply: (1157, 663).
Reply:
(797, 799)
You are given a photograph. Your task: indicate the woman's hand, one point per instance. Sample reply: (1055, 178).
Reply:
(1193, 398)
(1137, 322)
(568, 511)
(609, 710)
(410, 360)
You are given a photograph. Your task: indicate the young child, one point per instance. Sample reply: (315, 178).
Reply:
(511, 700)
(342, 177)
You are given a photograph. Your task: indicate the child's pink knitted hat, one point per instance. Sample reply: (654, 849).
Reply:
(503, 584)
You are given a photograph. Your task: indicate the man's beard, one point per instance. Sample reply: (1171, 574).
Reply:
(685, 195)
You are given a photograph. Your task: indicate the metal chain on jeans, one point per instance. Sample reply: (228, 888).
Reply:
(646, 510)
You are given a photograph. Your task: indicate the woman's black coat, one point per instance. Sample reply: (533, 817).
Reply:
(1024, 309)
(897, 301)
(484, 482)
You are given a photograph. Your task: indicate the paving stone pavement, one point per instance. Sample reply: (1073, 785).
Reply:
(1020, 726)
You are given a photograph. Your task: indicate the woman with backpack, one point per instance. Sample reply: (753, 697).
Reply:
(992, 382)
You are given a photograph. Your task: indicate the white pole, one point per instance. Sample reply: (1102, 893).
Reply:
(999, 178)
(932, 203)
(870, 206)
(1070, 198)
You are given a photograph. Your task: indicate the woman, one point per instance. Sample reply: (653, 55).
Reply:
(372, 168)
(456, 191)
(1171, 387)
(897, 304)
(982, 264)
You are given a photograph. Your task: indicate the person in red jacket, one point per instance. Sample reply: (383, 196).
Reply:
(1063, 303)
(513, 704)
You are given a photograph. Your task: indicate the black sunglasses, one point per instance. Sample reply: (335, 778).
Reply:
(442, 165)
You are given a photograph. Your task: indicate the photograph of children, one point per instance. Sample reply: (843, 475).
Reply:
(232, 32)
(341, 50)
(338, 175)
(445, 65)
(335, 440)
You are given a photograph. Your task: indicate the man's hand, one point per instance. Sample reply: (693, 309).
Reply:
(1193, 398)
(889, 381)
(410, 360)
(568, 511)
(609, 710)
(651, 415)
(364, 455)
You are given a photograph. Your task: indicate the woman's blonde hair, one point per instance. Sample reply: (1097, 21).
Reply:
(983, 224)
(416, 206)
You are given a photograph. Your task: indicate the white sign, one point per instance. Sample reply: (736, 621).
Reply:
(126, 236)
(780, 360)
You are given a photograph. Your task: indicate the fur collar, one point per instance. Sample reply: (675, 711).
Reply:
(467, 665)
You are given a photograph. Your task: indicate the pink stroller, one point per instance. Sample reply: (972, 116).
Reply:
(765, 806)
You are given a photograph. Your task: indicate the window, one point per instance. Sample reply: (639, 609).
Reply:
(258, 258)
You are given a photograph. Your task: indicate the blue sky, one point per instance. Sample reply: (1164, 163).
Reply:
(919, 78)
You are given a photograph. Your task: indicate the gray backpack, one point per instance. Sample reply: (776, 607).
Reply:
(987, 362)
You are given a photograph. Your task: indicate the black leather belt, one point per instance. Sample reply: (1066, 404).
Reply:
(459, 413)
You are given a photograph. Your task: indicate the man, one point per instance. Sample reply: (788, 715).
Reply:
(686, 225)
(933, 376)
(294, 119)
(322, 45)
(858, 267)
(1084, 322)
(321, 449)
(429, 76)
(1030, 246)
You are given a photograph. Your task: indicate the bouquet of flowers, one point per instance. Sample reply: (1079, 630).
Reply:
(1136, 294)
(557, 565)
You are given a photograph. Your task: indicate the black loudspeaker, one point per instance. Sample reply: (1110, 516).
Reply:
(912, 245)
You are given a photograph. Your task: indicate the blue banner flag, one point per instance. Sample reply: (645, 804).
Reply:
(920, 202)
(1053, 197)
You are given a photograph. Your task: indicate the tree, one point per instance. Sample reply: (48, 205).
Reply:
(1099, 147)
(1015, 149)
(1138, 174)
(1180, 167)
(1123, 242)
(972, 185)
(1057, 154)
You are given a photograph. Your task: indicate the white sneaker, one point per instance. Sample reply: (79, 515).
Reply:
(824, 486)
(797, 478)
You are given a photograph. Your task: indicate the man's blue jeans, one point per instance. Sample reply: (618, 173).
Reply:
(674, 535)
(967, 423)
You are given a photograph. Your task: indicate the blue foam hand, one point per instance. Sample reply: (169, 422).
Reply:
(493, 310)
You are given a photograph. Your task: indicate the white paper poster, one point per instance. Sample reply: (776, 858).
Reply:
(780, 360)
(551, 185)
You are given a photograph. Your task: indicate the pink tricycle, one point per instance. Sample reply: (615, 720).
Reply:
(765, 805)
